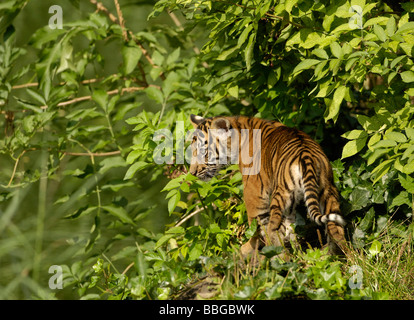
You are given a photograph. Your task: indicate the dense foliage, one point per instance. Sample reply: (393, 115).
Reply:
(93, 122)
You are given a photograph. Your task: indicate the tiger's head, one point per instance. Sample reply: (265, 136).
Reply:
(211, 146)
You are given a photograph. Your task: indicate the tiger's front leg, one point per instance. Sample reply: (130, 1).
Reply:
(257, 206)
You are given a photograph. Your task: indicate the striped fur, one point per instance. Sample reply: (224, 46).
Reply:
(293, 168)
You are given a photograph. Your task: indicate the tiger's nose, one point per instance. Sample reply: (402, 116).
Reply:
(193, 170)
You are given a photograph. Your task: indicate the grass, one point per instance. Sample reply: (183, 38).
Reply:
(389, 267)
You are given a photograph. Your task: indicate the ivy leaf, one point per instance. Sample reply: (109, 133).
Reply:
(252, 229)
(271, 251)
(359, 198)
(407, 182)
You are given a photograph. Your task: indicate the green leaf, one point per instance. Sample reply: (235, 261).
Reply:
(173, 57)
(354, 134)
(134, 168)
(289, 5)
(173, 201)
(406, 27)
(397, 60)
(381, 169)
(101, 98)
(320, 53)
(408, 152)
(368, 219)
(380, 33)
(271, 251)
(402, 198)
(163, 240)
(248, 51)
(111, 162)
(195, 251)
(376, 154)
(395, 136)
(409, 167)
(407, 182)
(359, 198)
(175, 230)
(155, 94)
(391, 26)
(407, 76)
(353, 147)
(375, 248)
(245, 293)
(336, 50)
(174, 183)
(252, 229)
(410, 133)
(374, 21)
(130, 55)
(305, 64)
(334, 107)
(409, 6)
(226, 53)
(384, 144)
(243, 36)
(119, 213)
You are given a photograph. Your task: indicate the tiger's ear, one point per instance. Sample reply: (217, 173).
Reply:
(222, 127)
(196, 120)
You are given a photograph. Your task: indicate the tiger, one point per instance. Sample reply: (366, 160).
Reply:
(289, 168)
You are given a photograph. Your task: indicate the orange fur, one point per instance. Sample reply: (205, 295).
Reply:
(292, 167)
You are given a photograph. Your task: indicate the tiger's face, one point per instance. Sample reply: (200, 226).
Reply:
(210, 146)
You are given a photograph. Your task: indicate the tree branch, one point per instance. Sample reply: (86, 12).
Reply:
(98, 154)
(121, 20)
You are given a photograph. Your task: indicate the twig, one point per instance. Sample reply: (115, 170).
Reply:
(15, 168)
(189, 216)
(98, 154)
(121, 20)
(128, 267)
(87, 98)
(101, 7)
(25, 85)
(35, 84)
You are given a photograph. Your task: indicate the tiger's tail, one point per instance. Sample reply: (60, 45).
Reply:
(311, 191)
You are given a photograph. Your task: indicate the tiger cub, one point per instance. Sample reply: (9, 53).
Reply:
(281, 166)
